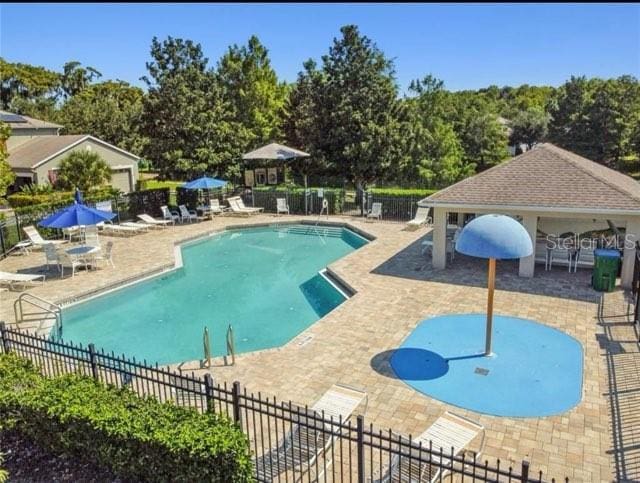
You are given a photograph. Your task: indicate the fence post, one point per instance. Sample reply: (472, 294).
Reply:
(360, 443)
(94, 363)
(18, 231)
(208, 388)
(2, 227)
(525, 471)
(3, 338)
(235, 393)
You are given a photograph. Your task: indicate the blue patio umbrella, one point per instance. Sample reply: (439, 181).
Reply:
(496, 237)
(204, 183)
(75, 215)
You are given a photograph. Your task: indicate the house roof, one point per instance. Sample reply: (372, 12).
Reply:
(40, 149)
(275, 151)
(20, 121)
(546, 177)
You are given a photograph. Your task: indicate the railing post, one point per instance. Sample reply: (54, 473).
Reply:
(94, 362)
(2, 227)
(360, 443)
(524, 472)
(235, 393)
(3, 338)
(208, 388)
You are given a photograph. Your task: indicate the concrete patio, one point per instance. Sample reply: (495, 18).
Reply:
(598, 440)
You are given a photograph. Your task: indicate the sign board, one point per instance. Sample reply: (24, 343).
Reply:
(320, 192)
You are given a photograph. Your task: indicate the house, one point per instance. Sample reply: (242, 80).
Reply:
(36, 148)
(552, 191)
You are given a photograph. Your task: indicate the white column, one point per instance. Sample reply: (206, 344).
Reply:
(439, 250)
(528, 264)
(629, 253)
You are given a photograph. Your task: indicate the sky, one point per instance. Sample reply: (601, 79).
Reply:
(467, 46)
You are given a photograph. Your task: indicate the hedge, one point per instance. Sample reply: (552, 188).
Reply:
(20, 200)
(137, 438)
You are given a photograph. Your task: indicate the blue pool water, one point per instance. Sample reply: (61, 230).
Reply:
(536, 370)
(263, 281)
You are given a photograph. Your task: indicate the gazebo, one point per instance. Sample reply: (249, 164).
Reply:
(551, 191)
(273, 151)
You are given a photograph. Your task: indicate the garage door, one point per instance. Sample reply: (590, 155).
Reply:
(121, 179)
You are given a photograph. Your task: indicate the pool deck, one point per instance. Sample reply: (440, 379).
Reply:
(599, 440)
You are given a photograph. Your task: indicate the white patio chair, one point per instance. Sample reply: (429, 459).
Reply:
(19, 279)
(312, 435)
(282, 206)
(559, 255)
(216, 208)
(91, 236)
(105, 256)
(149, 220)
(584, 258)
(375, 212)
(51, 256)
(67, 261)
(168, 215)
(186, 214)
(451, 434)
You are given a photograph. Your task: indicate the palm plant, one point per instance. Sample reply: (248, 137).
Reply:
(83, 170)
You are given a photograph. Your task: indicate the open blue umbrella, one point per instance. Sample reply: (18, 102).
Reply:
(496, 237)
(204, 183)
(75, 215)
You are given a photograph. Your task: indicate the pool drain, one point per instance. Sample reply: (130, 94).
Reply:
(481, 371)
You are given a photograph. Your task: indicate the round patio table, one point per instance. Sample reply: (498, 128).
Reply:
(81, 250)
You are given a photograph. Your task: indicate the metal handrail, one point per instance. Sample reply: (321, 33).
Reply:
(40, 303)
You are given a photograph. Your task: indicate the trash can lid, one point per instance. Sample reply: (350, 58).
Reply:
(606, 253)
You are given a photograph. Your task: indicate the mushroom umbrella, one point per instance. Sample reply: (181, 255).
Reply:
(496, 237)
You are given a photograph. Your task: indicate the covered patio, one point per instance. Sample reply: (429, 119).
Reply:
(552, 192)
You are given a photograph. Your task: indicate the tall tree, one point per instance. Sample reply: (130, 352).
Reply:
(190, 126)
(75, 78)
(109, 110)
(529, 127)
(7, 176)
(84, 170)
(251, 86)
(28, 89)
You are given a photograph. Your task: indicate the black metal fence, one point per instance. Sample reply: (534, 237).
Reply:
(289, 442)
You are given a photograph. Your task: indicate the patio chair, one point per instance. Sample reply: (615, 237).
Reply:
(282, 206)
(51, 256)
(120, 229)
(186, 214)
(19, 279)
(72, 232)
(542, 252)
(135, 224)
(559, 255)
(152, 222)
(67, 261)
(422, 218)
(106, 256)
(216, 208)
(312, 433)
(169, 215)
(375, 212)
(449, 435)
(584, 257)
(36, 239)
(91, 236)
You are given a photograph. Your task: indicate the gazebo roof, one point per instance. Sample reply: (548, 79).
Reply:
(546, 178)
(275, 151)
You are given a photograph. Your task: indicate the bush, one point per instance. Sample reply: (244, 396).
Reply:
(61, 198)
(136, 438)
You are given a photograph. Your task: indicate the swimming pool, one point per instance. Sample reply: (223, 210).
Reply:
(263, 281)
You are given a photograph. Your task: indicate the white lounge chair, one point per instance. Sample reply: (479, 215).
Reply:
(450, 433)
(237, 206)
(215, 208)
(19, 279)
(186, 214)
(422, 218)
(120, 229)
(314, 436)
(375, 212)
(168, 215)
(37, 239)
(149, 220)
(282, 206)
(135, 224)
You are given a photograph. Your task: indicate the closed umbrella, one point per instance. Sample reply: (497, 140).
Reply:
(496, 237)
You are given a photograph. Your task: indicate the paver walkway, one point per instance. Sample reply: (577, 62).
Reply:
(598, 440)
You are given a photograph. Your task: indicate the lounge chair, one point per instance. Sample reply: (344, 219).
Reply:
(120, 229)
(215, 208)
(314, 435)
(237, 206)
(422, 218)
(37, 239)
(282, 206)
(168, 215)
(149, 220)
(375, 212)
(451, 434)
(19, 279)
(135, 224)
(186, 214)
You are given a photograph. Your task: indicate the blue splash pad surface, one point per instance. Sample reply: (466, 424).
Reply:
(535, 370)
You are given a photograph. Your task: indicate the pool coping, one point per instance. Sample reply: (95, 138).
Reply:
(178, 264)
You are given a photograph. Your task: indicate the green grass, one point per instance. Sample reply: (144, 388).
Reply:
(154, 183)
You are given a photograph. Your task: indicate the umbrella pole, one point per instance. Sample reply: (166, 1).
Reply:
(491, 286)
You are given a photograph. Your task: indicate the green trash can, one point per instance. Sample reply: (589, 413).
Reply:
(605, 269)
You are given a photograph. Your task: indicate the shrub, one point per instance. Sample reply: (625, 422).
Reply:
(136, 438)
(23, 199)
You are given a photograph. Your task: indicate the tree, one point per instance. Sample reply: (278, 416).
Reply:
(84, 170)
(75, 78)
(251, 86)
(28, 89)
(190, 126)
(109, 110)
(529, 127)
(7, 176)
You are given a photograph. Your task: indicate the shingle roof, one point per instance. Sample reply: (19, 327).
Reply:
(32, 152)
(275, 151)
(30, 123)
(545, 177)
